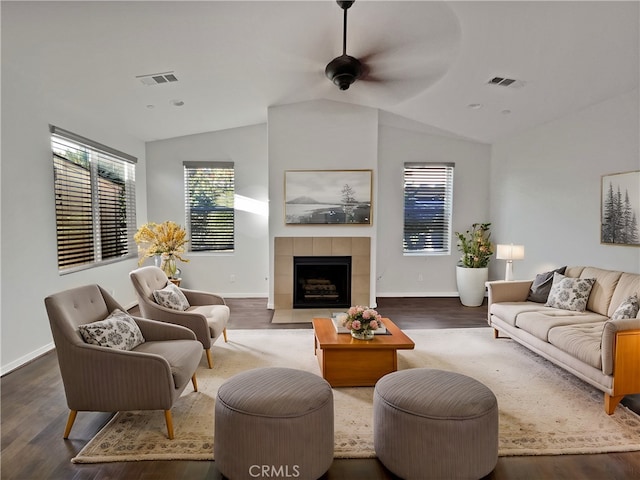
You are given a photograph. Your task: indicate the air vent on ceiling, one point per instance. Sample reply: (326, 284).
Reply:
(506, 82)
(158, 78)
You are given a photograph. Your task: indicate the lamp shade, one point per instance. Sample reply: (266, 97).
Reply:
(510, 252)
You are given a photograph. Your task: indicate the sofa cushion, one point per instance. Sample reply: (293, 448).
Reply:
(570, 293)
(573, 272)
(119, 330)
(628, 284)
(216, 315)
(541, 286)
(627, 309)
(509, 311)
(171, 297)
(177, 353)
(603, 288)
(581, 341)
(539, 323)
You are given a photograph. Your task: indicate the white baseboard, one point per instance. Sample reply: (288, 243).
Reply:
(26, 359)
(271, 305)
(417, 294)
(242, 295)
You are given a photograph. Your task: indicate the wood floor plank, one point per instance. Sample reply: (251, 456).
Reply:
(34, 413)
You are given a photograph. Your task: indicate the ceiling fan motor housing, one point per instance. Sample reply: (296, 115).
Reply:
(344, 70)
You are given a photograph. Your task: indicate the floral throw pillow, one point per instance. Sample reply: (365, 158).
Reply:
(119, 330)
(570, 293)
(627, 309)
(171, 297)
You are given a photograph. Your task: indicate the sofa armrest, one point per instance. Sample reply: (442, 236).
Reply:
(611, 328)
(197, 298)
(154, 331)
(194, 321)
(501, 291)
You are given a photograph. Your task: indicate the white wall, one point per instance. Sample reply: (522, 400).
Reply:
(320, 135)
(244, 272)
(540, 188)
(546, 188)
(28, 257)
(403, 276)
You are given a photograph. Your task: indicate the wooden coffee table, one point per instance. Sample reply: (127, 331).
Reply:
(347, 362)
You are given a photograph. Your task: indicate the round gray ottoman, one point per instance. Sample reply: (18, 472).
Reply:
(435, 424)
(274, 423)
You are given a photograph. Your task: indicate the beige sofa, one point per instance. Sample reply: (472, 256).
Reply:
(589, 344)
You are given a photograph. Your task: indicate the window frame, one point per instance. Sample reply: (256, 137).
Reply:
(191, 167)
(96, 192)
(442, 173)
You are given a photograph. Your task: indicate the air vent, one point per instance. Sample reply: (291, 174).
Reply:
(157, 78)
(506, 82)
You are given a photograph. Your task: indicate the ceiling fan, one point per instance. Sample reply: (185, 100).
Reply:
(397, 67)
(345, 69)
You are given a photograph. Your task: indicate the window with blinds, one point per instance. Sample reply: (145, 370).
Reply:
(209, 190)
(95, 201)
(428, 200)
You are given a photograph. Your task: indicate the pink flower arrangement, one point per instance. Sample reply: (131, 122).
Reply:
(360, 319)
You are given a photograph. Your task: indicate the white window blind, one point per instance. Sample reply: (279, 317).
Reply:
(95, 201)
(428, 200)
(209, 189)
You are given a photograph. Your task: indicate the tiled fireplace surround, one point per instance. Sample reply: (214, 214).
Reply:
(285, 248)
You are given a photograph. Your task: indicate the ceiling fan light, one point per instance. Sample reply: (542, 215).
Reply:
(343, 71)
(343, 81)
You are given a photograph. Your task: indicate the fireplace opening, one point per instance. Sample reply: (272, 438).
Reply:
(321, 282)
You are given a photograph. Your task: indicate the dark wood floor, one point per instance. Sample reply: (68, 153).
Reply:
(34, 413)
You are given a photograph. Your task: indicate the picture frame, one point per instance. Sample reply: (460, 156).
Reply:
(328, 197)
(620, 209)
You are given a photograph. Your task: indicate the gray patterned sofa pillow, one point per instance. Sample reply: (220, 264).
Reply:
(171, 297)
(627, 309)
(119, 330)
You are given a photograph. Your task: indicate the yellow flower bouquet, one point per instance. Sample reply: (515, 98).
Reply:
(166, 239)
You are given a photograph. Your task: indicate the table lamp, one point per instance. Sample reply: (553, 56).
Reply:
(510, 253)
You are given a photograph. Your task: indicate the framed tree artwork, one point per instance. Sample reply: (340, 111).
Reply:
(620, 209)
(327, 197)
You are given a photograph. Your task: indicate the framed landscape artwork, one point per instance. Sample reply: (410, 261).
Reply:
(327, 197)
(620, 209)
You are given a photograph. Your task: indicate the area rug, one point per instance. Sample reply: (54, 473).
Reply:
(543, 410)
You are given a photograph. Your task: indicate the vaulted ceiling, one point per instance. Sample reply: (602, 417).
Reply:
(428, 61)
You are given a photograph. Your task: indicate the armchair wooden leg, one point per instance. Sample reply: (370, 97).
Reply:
(169, 419)
(195, 383)
(70, 420)
(209, 358)
(224, 334)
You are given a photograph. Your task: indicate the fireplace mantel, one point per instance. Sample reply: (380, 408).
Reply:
(285, 248)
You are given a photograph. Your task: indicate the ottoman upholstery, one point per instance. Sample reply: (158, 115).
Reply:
(274, 423)
(435, 424)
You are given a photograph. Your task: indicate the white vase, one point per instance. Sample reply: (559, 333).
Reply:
(471, 285)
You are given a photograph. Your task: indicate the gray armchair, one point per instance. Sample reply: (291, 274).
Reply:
(207, 316)
(151, 376)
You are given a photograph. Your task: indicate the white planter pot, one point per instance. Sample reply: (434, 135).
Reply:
(471, 285)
